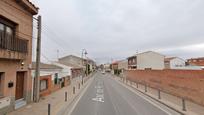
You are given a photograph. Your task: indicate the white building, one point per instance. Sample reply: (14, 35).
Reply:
(174, 63)
(123, 65)
(146, 60)
(48, 69)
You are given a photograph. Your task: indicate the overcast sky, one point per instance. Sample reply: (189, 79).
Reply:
(116, 29)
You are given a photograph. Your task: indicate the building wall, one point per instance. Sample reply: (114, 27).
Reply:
(176, 63)
(150, 60)
(123, 64)
(71, 60)
(10, 10)
(66, 71)
(182, 83)
(49, 85)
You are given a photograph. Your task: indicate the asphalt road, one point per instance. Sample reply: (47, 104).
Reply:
(105, 96)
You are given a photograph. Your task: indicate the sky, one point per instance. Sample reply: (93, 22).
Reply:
(115, 29)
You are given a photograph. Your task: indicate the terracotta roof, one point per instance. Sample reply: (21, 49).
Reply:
(201, 58)
(198, 61)
(46, 66)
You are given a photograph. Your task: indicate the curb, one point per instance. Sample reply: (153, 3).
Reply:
(180, 112)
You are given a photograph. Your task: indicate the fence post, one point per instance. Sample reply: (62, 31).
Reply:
(137, 84)
(49, 109)
(145, 87)
(183, 104)
(73, 90)
(159, 94)
(65, 96)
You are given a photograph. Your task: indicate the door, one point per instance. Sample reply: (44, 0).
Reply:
(19, 85)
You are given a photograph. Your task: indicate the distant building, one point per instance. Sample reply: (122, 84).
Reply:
(199, 62)
(85, 64)
(107, 67)
(114, 68)
(174, 63)
(146, 60)
(16, 31)
(123, 65)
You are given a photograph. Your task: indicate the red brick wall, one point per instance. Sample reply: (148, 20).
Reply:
(182, 83)
(49, 85)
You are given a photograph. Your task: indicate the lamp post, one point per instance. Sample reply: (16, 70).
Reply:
(84, 52)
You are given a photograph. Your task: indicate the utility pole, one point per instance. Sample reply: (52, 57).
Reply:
(57, 54)
(36, 93)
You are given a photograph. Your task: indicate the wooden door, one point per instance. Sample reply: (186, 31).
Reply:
(19, 85)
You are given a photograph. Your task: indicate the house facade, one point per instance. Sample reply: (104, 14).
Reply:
(80, 66)
(114, 68)
(16, 28)
(174, 63)
(51, 78)
(146, 60)
(123, 65)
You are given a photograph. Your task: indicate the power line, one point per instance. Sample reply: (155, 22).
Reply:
(45, 57)
(46, 28)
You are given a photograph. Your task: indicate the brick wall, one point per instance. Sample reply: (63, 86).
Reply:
(49, 85)
(182, 83)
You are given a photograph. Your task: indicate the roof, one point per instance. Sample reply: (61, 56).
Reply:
(65, 57)
(144, 53)
(199, 61)
(201, 58)
(45, 66)
(169, 58)
(28, 6)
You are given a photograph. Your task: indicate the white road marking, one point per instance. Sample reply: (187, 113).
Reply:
(75, 104)
(99, 92)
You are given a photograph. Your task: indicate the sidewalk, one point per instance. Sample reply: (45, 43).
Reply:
(56, 99)
(167, 99)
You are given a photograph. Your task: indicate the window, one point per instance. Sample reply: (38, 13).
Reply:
(43, 85)
(1, 27)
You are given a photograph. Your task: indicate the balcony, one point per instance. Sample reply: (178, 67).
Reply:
(12, 47)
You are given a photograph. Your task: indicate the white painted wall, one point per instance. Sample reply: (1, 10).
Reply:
(177, 63)
(150, 60)
(123, 64)
(66, 71)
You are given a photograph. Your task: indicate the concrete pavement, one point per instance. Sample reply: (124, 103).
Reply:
(56, 99)
(105, 96)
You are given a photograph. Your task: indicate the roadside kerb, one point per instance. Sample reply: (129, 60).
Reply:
(73, 98)
(142, 88)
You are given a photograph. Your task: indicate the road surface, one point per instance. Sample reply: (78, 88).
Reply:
(105, 96)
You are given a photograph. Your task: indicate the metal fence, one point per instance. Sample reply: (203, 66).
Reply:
(12, 43)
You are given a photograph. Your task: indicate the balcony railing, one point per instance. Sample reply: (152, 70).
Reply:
(9, 42)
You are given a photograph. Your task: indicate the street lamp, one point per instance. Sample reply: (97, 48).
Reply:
(84, 52)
